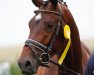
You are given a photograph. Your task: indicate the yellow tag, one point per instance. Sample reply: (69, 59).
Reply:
(67, 36)
(60, 61)
(67, 32)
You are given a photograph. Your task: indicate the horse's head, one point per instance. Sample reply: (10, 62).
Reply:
(42, 42)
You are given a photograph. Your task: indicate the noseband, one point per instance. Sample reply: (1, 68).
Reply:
(44, 57)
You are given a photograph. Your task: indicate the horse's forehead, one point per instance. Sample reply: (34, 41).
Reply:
(38, 16)
(47, 16)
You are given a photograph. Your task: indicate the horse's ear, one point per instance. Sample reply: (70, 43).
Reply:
(54, 3)
(37, 3)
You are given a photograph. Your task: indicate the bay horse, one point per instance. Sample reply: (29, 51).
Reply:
(53, 46)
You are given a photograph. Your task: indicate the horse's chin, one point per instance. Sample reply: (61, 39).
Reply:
(28, 72)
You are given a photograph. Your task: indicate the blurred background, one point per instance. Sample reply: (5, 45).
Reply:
(14, 18)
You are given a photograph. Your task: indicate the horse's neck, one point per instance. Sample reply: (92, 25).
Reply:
(74, 57)
(49, 71)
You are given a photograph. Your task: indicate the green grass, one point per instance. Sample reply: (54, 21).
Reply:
(15, 70)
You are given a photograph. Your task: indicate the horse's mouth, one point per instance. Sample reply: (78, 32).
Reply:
(28, 72)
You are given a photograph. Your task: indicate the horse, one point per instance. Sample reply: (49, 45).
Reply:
(53, 46)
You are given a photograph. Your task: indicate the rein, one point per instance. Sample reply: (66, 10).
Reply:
(44, 58)
(44, 49)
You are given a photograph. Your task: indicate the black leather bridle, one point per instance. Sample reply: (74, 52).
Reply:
(44, 57)
(43, 48)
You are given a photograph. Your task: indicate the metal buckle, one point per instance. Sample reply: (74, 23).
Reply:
(44, 58)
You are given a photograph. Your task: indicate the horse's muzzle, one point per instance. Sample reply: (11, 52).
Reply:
(27, 68)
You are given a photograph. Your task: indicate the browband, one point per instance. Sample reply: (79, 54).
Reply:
(47, 11)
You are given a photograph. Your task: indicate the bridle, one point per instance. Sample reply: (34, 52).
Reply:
(44, 57)
(43, 48)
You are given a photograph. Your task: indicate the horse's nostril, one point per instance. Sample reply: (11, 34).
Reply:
(27, 64)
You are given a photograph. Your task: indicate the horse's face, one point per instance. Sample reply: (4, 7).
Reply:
(42, 27)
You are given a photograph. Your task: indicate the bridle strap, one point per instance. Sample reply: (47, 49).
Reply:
(62, 66)
(43, 48)
(47, 11)
(36, 44)
(57, 27)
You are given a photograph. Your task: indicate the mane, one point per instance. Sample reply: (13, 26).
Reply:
(73, 59)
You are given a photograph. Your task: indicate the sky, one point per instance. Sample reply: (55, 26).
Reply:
(15, 15)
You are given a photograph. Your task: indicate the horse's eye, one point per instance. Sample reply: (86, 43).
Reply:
(49, 27)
